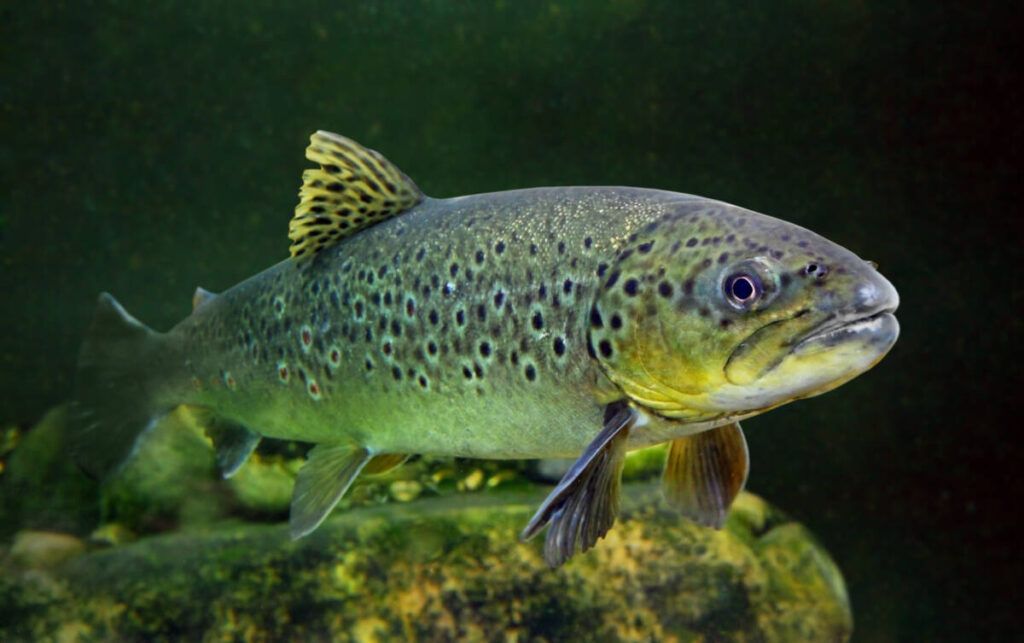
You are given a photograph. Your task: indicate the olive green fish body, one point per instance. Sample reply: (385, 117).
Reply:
(459, 328)
(522, 324)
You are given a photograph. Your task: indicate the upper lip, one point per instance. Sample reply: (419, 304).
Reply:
(839, 320)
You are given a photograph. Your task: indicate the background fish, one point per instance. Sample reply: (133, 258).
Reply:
(522, 324)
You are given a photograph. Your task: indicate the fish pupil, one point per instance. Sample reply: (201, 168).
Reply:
(742, 289)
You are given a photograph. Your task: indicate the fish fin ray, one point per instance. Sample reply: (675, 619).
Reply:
(114, 400)
(384, 462)
(354, 188)
(585, 503)
(321, 482)
(705, 472)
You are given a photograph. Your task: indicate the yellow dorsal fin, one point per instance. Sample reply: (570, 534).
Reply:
(354, 188)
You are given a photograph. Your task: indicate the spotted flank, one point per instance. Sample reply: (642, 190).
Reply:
(552, 322)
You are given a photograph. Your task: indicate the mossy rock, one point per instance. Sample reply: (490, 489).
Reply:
(41, 488)
(446, 568)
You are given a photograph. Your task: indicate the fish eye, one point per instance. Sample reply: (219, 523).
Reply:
(742, 289)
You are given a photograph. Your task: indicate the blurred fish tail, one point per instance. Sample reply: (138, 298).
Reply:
(120, 389)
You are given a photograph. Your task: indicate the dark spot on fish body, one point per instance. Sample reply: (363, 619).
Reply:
(605, 347)
(559, 346)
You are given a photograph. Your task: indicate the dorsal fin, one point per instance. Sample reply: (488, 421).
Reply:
(354, 188)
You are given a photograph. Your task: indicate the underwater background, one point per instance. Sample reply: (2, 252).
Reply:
(147, 148)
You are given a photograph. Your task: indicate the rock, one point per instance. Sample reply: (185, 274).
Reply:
(444, 569)
(170, 480)
(39, 549)
(41, 489)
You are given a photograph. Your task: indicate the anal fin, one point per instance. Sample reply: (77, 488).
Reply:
(585, 503)
(705, 472)
(321, 482)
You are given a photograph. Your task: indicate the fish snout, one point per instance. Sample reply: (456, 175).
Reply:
(873, 295)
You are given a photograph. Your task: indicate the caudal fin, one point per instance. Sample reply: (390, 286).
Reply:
(117, 389)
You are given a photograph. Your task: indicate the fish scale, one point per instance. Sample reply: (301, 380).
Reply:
(547, 322)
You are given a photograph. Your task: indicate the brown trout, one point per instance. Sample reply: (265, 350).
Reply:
(549, 322)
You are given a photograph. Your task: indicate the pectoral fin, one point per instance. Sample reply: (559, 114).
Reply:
(321, 482)
(705, 472)
(585, 503)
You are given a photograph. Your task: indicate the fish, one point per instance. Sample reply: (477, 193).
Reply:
(559, 322)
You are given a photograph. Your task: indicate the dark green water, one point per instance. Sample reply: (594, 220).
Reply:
(145, 150)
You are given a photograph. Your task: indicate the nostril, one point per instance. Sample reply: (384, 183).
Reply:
(815, 270)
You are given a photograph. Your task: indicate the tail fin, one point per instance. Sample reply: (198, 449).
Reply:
(116, 392)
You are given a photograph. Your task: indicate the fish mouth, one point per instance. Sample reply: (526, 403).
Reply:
(856, 335)
(878, 327)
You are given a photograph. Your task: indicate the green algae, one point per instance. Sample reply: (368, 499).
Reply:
(447, 568)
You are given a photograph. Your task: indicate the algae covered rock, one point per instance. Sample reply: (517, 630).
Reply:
(40, 488)
(447, 568)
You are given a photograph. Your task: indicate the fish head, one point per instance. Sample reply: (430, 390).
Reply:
(725, 313)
